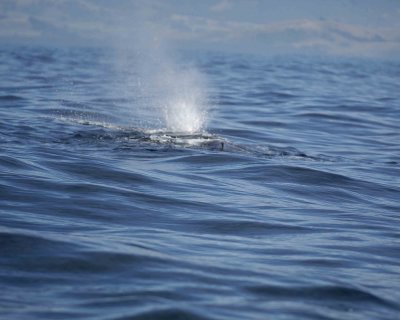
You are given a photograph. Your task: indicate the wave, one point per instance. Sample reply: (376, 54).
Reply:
(331, 294)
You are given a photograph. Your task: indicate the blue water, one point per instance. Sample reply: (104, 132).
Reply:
(285, 206)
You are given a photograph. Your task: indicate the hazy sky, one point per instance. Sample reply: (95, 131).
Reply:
(343, 27)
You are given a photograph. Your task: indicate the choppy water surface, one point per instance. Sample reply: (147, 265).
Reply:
(286, 205)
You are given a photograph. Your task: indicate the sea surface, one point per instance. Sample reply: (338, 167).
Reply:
(280, 201)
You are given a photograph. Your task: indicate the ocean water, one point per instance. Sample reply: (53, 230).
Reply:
(250, 188)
